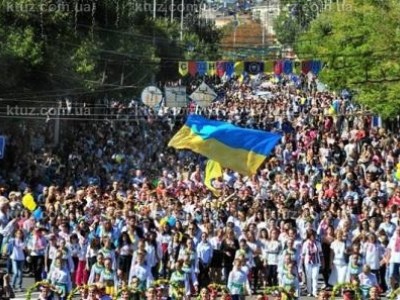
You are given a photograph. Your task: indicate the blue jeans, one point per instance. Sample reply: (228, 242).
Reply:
(17, 266)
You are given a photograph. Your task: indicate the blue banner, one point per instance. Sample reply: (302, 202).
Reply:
(229, 68)
(316, 66)
(287, 67)
(202, 67)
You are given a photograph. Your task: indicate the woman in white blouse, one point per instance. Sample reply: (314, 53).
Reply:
(238, 283)
(338, 259)
(372, 251)
(312, 261)
(125, 251)
(271, 258)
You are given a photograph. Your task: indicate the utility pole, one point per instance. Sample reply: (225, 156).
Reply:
(263, 29)
(182, 9)
(153, 76)
(172, 10)
(236, 24)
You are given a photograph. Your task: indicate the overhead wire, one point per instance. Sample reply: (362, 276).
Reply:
(132, 117)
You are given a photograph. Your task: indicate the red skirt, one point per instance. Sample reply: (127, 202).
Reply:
(81, 274)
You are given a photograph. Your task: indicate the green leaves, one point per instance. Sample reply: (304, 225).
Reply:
(287, 29)
(360, 48)
(22, 44)
(84, 58)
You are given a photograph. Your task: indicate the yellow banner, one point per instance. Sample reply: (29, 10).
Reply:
(211, 68)
(268, 66)
(296, 67)
(239, 67)
(183, 68)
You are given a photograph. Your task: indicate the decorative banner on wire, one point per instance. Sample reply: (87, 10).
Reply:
(183, 68)
(296, 66)
(238, 68)
(201, 67)
(254, 68)
(287, 67)
(211, 68)
(278, 67)
(192, 68)
(268, 66)
(316, 66)
(306, 66)
(220, 68)
(229, 68)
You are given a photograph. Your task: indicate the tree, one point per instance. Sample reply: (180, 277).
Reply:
(297, 15)
(61, 46)
(286, 29)
(359, 44)
(79, 47)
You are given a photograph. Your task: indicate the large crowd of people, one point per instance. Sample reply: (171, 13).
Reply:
(122, 209)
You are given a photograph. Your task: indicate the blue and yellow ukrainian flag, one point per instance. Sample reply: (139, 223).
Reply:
(239, 149)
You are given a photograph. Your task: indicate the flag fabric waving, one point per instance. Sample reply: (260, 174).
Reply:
(239, 149)
(213, 170)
